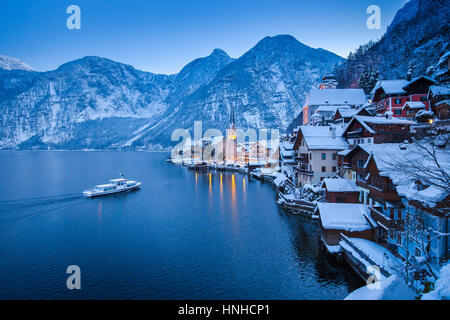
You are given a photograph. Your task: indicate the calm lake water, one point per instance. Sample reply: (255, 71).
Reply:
(182, 236)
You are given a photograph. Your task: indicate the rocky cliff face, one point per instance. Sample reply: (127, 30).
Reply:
(101, 104)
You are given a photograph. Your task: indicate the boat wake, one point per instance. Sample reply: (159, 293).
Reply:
(13, 210)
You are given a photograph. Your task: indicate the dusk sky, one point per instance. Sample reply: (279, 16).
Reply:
(163, 36)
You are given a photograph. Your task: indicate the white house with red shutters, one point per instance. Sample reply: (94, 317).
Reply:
(402, 97)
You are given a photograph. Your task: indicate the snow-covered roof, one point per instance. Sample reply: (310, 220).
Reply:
(397, 86)
(321, 138)
(443, 102)
(332, 108)
(345, 152)
(440, 90)
(316, 115)
(340, 185)
(391, 86)
(378, 254)
(347, 112)
(418, 78)
(336, 97)
(366, 120)
(414, 105)
(382, 120)
(345, 216)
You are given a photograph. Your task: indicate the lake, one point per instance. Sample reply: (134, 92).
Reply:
(184, 235)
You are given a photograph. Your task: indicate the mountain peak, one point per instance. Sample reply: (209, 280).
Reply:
(219, 52)
(275, 43)
(10, 63)
(280, 38)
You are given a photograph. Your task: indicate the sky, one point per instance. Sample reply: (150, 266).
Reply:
(162, 36)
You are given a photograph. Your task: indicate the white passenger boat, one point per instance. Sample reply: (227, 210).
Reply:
(115, 186)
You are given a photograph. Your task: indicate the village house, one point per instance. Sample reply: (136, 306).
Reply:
(439, 97)
(392, 95)
(411, 108)
(316, 151)
(351, 220)
(330, 100)
(353, 160)
(399, 197)
(344, 115)
(375, 130)
(442, 110)
(339, 190)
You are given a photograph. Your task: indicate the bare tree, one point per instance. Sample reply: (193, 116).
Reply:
(425, 163)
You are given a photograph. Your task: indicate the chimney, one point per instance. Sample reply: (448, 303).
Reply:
(333, 132)
(409, 74)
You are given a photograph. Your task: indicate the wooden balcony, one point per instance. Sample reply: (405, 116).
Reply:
(386, 221)
(304, 171)
(378, 192)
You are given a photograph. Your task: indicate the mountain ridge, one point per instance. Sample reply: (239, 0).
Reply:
(98, 103)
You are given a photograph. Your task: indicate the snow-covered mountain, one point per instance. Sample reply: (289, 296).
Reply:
(98, 103)
(417, 37)
(9, 63)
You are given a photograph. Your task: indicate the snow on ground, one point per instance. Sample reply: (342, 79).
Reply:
(391, 288)
(442, 286)
(280, 179)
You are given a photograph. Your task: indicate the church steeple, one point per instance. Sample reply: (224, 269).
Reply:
(232, 120)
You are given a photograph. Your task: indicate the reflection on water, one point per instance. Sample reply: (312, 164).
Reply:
(99, 211)
(221, 239)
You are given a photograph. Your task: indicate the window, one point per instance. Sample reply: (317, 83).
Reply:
(324, 169)
(310, 156)
(334, 156)
(398, 101)
(398, 112)
(417, 252)
(368, 140)
(324, 156)
(334, 169)
(360, 163)
(423, 99)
